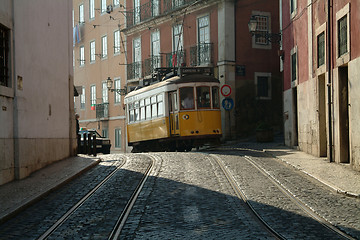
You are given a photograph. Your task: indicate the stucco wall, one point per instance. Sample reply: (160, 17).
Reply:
(308, 132)
(354, 114)
(44, 118)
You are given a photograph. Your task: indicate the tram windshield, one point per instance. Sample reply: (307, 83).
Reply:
(187, 98)
(203, 97)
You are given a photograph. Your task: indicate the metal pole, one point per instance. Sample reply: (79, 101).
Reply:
(94, 144)
(329, 85)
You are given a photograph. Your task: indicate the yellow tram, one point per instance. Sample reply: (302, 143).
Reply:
(175, 114)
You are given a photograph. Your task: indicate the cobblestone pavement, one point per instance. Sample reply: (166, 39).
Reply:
(190, 198)
(340, 210)
(187, 196)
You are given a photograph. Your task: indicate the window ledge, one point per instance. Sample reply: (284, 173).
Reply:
(6, 92)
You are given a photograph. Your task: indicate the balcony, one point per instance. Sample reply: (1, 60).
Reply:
(102, 110)
(176, 59)
(151, 63)
(152, 9)
(201, 54)
(134, 70)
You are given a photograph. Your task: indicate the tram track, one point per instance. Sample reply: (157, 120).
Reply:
(242, 195)
(69, 223)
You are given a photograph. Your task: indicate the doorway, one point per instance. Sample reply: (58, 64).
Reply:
(344, 115)
(322, 116)
(295, 119)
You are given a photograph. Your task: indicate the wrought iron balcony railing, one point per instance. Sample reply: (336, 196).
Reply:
(134, 70)
(176, 59)
(102, 110)
(153, 8)
(201, 54)
(151, 63)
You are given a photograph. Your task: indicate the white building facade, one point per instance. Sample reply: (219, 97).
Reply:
(36, 89)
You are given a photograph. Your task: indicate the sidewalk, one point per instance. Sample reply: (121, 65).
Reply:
(16, 195)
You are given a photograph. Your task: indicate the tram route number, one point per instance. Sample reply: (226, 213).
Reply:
(228, 104)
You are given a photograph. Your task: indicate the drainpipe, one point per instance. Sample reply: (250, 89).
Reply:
(329, 85)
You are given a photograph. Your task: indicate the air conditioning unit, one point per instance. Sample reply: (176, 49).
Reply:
(109, 9)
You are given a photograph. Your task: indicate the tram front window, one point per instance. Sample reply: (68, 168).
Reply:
(187, 98)
(215, 97)
(203, 97)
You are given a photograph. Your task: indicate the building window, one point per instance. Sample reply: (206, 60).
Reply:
(177, 3)
(203, 48)
(81, 14)
(105, 96)
(117, 85)
(155, 8)
(342, 36)
(103, 6)
(82, 99)
(294, 66)
(4, 56)
(155, 49)
(263, 85)
(177, 38)
(82, 56)
(104, 47)
(293, 7)
(116, 3)
(92, 96)
(91, 9)
(321, 49)
(117, 42)
(105, 133)
(137, 11)
(117, 138)
(137, 57)
(92, 51)
(262, 27)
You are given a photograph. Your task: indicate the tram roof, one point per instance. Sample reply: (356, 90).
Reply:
(191, 78)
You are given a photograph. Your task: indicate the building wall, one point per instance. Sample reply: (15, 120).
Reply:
(312, 88)
(39, 120)
(97, 72)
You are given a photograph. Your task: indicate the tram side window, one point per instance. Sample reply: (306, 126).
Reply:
(187, 98)
(148, 108)
(137, 111)
(160, 104)
(131, 112)
(203, 97)
(142, 109)
(215, 97)
(153, 107)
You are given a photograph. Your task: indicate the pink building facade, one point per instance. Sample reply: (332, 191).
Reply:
(321, 106)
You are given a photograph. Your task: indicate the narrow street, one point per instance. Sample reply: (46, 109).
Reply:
(231, 192)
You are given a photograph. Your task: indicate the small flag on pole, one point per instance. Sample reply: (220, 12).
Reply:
(92, 106)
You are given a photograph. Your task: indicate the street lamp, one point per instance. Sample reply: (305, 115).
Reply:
(271, 37)
(109, 84)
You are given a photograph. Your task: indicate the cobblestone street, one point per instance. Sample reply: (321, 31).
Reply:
(188, 196)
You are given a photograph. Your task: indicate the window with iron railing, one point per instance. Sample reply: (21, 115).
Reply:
(262, 27)
(82, 99)
(294, 66)
(201, 54)
(342, 36)
(102, 110)
(4, 56)
(321, 49)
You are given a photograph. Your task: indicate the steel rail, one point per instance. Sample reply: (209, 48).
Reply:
(115, 233)
(78, 204)
(241, 195)
(297, 201)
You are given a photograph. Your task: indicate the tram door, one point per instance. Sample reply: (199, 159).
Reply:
(174, 113)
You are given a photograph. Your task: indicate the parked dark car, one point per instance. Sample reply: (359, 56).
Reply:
(103, 144)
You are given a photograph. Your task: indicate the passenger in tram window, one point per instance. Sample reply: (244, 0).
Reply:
(188, 101)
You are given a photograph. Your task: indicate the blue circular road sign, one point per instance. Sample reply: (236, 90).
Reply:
(228, 104)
